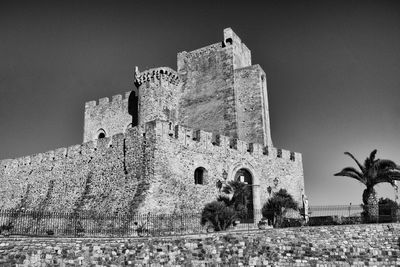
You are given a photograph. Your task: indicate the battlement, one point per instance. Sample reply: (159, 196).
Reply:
(88, 149)
(105, 101)
(165, 73)
(197, 138)
(186, 136)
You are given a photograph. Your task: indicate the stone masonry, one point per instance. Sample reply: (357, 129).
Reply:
(344, 245)
(142, 150)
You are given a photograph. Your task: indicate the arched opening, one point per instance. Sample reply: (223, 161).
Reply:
(101, 134)
(200, 175)
(244, 176)
(228, 41)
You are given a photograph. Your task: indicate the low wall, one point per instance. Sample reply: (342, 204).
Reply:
(339, 245)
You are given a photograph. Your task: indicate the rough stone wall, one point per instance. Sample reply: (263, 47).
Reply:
(241, 54)
(207, 100)
(252, 105)
(110, 116)
(355, 245)
(181, 150)
(159, 91)
(109, 174)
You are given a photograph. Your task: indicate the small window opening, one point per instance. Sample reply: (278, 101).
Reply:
(228, 41)
(101, 134)
(199, 175)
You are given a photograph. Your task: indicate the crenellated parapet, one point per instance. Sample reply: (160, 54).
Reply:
(161, 73)
(206, 141)
(108, 115)
(88, 149)
(105, 101)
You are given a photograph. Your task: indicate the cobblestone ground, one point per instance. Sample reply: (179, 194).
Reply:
(355, 245)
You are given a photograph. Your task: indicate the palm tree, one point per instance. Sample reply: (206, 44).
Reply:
(276, 206)
(374, 171)
(228, 208)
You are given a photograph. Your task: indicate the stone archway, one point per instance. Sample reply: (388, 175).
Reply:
(244, 176)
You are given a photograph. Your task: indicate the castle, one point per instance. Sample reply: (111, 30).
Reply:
(163, 147)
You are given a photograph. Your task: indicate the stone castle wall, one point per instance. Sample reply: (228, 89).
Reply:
(109, 174)
(110, 116)
(252, 105)
(181, 150)
(355, 245)
(144, 171)
(207, 100)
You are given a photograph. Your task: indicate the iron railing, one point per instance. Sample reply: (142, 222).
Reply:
(91, 224)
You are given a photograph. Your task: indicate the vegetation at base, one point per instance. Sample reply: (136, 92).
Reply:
(387, 210)
(372, 172)
(276, 206)
(228, 208)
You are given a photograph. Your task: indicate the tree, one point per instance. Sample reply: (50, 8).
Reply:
(374, 171)
(228, 208)
(387, 210)
(239, 197)
(276, 206)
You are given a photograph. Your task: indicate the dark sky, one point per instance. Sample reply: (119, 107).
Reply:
(333, 70)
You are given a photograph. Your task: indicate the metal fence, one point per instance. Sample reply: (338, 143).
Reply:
(91, 224)
(352, 214)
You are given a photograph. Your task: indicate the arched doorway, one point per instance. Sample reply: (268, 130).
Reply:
(244, 176)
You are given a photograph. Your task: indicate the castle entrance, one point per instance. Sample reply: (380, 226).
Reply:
(245, 176)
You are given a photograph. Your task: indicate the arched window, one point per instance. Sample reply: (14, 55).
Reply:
(200, 175)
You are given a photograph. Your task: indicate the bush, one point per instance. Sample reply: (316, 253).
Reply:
(387, 210)
(228, 208)
(219, 215)
(276, 206)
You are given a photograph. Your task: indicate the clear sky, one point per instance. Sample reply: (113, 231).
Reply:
(333, 72)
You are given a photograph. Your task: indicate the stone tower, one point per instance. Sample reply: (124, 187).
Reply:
(223, 93)
(215, 89)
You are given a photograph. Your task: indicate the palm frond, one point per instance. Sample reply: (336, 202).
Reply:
(358, 163)
(383, 164)
(352, 170)
(351, 175)
(386, 179)
(370, 160)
